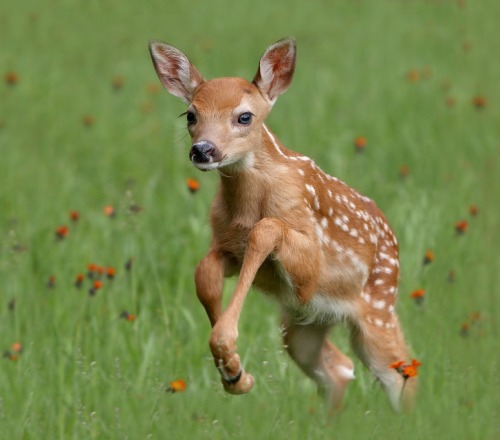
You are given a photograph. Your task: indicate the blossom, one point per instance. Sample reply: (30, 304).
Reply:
(193, 185)
(88, 120)
(479, 102)
(418, 295)
(109, 211)
(429, 257)
(62, 232)
(404, 171)
(128, 316)
(51, 283)
(118, 82)
(360, 143)
(11, 78)
(461, 226)
(96, 285)
(406, 370)
(79, 280)
(177, 386)
(74, 216)
(110, 272)
(473, 210)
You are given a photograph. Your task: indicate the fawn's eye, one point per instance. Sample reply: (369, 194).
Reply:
(191, 118)
(245, 118)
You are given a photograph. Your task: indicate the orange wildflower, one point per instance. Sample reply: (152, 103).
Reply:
(62, 232)
(118, 82)
(418, 296)
(96, 285)
(193, 185)
(128, 316)
(111, 273)
(360, 143)
(11, 78)
(88, 120)
(11, 356)
(16, 347)
(177, 386)
(473, 210)
(464, 329)
(406, 370)
(413, 75)
(74, 216)
(429, 257)
(109, 211)
(479, 102)
(79, 280)
(51, 283)
(461, 226)
(404, 171)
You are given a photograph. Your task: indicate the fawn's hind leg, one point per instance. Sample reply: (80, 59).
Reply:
(378, 347)
(322, 361)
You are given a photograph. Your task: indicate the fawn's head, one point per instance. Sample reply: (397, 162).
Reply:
(225, 115)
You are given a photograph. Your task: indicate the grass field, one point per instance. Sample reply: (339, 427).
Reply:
(84, 124)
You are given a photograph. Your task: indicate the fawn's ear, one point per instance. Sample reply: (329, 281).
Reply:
(276, 68)
(175, 71)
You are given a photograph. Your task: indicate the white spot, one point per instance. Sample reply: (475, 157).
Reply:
(361, 240)
(378, 282)
(379, 322)
(311, 189)
(353, 233)
(324, 222)
(330, 212)
(301, 171)
(378, 304)
(329, 193)
(366, 297)
(345, 219)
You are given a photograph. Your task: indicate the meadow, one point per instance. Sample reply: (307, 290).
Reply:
(100, 326)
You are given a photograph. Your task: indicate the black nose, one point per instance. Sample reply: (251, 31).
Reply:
(201, 152)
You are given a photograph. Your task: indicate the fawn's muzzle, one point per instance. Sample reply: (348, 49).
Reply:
(203, 152)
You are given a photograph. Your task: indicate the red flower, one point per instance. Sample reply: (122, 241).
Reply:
(418, 295)
(404, 171)
(74, 216)
(109, 211)
(479, 102)
(193, 185)
(110, 272)
(360, 143)
(429, 257)
(11, 78)
(62, 232)
(177, 386)
(79, 280)
(473, 210)
(406, 370)
(461, 226)
(51, 283)
(128, 316)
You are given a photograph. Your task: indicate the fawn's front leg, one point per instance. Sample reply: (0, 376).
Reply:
(209, 280)
(295, 252)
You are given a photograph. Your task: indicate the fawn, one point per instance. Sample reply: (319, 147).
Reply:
(322, 250)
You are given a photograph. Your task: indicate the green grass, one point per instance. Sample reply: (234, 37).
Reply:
(86, 373)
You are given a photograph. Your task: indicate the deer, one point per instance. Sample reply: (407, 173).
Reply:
(323, 251)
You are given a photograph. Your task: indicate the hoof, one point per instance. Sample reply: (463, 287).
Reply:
(244, 384)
